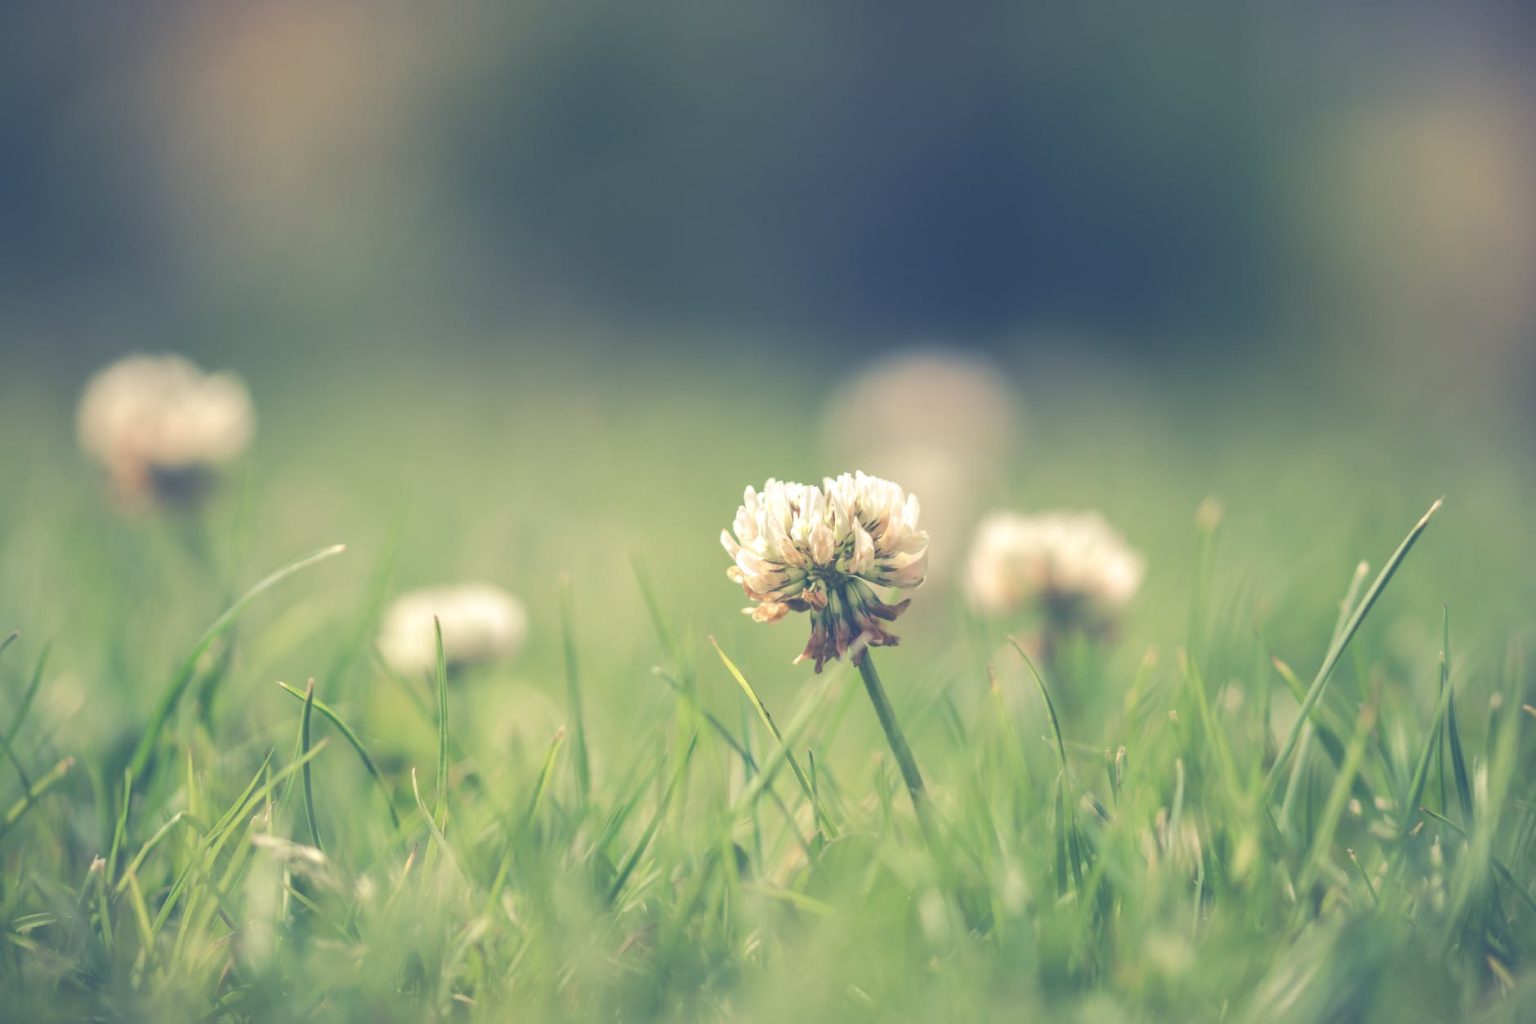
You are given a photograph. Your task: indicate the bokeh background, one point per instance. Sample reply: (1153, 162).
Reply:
(531, 289)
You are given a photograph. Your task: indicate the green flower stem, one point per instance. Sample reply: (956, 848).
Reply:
(893, 733)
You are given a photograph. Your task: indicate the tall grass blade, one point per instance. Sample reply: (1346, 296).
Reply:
(34, 793)
(1498, 865)
(579, 752)
(749, 763)
(441, 678)
(1340, 643)
(188, 667)
(357, 745)
(1458, 760)
(526, 822)
(632, 859)
(1432, 736)
(309, 788)
(435, 831)
(1069, 811)
(1338, 796)
(29, 695)
(767, 719)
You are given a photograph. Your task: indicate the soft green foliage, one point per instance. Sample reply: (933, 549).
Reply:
(1145, 831)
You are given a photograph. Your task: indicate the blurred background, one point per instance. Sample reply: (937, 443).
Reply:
(1199, 185)
(560, 280)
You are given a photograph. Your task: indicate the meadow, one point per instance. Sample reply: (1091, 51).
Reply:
(1286, 787)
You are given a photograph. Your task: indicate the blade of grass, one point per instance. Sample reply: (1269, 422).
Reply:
(1325, 726)
(34, 793)
(352, 739)
(527, 819)
(1458, 760)
(626, 806)
(1069, 811)
(1226, 763)
(1432, 737)
(1013, 749)
(437, 833)
(1370, 886)
(1347, 605)
(1298, 766)
(579, 755)
(1340, 643)
(1338, 796)
(153, 841)
(762, 712)
(188, 667)
(770, 765)
(120, 830)
(749, 763)
(1050, 705)
(1498, 865)
(309, 788)
(214, 841)
(632, 859)
(442, 727)
(27, 697)
(21, 769)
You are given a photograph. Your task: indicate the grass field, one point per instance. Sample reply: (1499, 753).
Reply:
(606, 828)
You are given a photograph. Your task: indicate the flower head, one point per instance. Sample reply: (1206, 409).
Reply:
(161, 427)
(481, 623)
(1072, 565)
(803, 548)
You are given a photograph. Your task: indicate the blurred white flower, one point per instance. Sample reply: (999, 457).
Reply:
(481, 623)
(802, 548)
(161, 427)
(1072, 566)
(941, 421)
(925, 398)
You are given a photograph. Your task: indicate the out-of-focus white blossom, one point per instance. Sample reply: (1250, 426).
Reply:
(1073, 566)
(929, 398)
(161, 427)
(941, 421)
(481, 623)
(799, 547)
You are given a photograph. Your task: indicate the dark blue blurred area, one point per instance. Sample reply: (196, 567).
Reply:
(860, 172)
(889, 169)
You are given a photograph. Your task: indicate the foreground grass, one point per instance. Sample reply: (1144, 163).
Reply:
(632, 823)
(1185, 850)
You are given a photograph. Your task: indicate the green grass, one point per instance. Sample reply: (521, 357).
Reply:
(650, 815)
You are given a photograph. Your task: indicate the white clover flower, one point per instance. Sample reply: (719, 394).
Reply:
(801, 548)
(161, 427)
(481, 623)
(1073, 566)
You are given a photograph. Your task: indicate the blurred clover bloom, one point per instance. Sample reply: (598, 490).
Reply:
(161, 428)
(942, 421)
(1072, 568)
(823, 550)
(481, 623)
